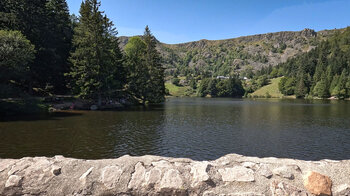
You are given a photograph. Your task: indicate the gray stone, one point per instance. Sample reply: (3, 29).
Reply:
(171, 180)
(152, 177)
(237, 173)
(286, 171)
(199, 173)
(212, 193)
(110, 176)
(6, 165)
(18, 166)
(138, 176)
(265, 171)
(342, 190)
(282, 189)
(13, 181)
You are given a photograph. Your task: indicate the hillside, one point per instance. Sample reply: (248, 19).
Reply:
(270, 90)
(237, 55)
(323, 72)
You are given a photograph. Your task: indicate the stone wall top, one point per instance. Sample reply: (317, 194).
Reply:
(153, 175)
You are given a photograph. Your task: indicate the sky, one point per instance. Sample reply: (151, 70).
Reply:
(178, 21)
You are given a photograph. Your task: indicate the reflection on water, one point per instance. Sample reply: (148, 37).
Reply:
(196, 128)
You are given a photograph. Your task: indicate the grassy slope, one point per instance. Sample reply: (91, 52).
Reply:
(271, 89)
(176, 91)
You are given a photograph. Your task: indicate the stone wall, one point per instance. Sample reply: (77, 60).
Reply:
(152, 175)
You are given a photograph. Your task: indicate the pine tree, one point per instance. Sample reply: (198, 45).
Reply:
(137, 71)
(59, 43)
(320, 89)
(340, 89)
(97, 61)
(301, 84)
(156, 87)
(301, 89)
(46, 24)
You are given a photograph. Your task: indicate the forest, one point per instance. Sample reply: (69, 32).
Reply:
(323, 72)
(45, 51)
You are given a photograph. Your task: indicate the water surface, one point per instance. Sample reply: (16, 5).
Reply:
(197, 128)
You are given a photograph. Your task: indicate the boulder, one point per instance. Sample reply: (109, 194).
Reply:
(317, 183)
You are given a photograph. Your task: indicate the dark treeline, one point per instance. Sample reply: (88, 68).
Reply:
(46, 24)
(322, 72)
(46, 51)
(231, 87)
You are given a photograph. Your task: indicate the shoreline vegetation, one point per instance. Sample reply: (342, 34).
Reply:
(82, 59)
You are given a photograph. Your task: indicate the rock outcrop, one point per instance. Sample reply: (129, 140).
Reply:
(152, 175)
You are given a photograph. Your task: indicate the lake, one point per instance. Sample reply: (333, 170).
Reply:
(197, 128)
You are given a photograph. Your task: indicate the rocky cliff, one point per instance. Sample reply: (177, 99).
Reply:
(152, 175)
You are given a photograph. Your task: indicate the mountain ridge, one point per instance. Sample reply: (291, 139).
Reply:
(236, 55)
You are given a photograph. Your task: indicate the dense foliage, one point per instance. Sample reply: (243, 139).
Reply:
(16, 52)
(97, 69)
(46, 51)
(243, 55)
(46, 24)
(231, 87)
(145, 72)
(322, 72)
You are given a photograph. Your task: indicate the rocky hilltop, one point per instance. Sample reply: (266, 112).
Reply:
(222, 57)
(152, 175)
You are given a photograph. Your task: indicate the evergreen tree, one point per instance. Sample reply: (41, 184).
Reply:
(332, 88)
(301, 89)
(138, 73)
(320, 89)
(212, 90)
(301, 84)
(97, 61)
(203, 86)
(46, 24)
(59, 42)
(156, 87)
(340, 90)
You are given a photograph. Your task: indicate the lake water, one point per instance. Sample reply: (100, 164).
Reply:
(197, 128)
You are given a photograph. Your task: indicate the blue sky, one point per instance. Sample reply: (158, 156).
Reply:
(177, 21)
